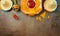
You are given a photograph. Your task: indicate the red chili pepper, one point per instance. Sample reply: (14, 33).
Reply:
(31, 4)
(15, 16)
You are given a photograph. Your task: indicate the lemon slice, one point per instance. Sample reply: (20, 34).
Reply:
(6, 4)
(50, 5)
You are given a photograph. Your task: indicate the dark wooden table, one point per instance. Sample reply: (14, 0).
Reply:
(29, 26)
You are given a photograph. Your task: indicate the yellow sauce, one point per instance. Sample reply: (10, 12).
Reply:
(31, 11)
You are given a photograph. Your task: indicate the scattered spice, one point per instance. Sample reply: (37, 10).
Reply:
(15, 16)
(43, 15)
(49, 17)
(38, 19)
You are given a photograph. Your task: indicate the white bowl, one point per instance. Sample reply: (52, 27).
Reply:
(50, 5)
(6, 5)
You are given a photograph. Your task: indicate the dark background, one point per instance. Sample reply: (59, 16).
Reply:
(29, 26)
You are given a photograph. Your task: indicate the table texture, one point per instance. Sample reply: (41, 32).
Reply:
(29, 26)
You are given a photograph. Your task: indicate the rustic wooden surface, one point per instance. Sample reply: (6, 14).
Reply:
(28, 26)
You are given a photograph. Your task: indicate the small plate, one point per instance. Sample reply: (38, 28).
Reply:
(31, 11)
